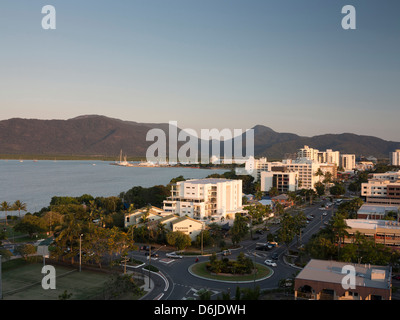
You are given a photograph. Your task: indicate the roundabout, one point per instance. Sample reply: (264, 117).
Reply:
(199, 270)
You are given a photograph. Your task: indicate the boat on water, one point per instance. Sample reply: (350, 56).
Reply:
(124, 163)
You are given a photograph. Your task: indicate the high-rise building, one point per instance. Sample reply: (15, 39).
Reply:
(348, 161)
(395, 158)
(205, 198)
(283, 181)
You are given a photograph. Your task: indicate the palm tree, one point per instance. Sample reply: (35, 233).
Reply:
(18, 205)
(339, 227)
(5, 206)
(319, 173)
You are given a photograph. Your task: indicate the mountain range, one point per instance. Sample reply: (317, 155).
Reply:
(95, 135)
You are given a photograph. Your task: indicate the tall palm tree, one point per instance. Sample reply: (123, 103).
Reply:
(339, 227)
(18, 205)
(5, 206)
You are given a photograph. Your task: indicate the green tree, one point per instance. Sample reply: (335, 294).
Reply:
(178, 239)
(337, 190)
(239, 229)
(30, 224)
(25, 250)
(339, 228)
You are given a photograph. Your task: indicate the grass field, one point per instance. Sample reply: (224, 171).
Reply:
(24, 283)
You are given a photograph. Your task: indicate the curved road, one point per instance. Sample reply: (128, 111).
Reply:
(178, 283)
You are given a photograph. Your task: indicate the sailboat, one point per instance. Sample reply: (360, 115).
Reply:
(124, 163)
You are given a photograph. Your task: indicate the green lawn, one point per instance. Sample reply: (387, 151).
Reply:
(201, 270)
(27, 278)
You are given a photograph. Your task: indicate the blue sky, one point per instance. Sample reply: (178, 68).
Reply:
(285, 64)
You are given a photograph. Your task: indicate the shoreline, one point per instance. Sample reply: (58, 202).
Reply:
(111, 161)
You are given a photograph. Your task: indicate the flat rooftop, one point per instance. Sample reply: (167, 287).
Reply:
(331, 271)
(372, 224)
(377, 208)
(208, 181)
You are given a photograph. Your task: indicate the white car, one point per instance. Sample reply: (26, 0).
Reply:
(269, 262)
(324, 213)
(173, 255)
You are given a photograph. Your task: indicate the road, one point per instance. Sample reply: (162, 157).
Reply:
(178, 283)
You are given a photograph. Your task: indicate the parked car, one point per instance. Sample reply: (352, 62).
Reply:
(396, 277)
(146, 248)
(324, 213)
(260, 232)
(173, 255)
(154, 255)
(226, 252)
(269, 262)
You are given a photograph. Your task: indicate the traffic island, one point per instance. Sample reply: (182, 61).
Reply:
(200, 270)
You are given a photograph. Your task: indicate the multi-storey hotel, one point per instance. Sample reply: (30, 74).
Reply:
(205, 198)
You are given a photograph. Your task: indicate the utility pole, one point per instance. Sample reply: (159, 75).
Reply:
(202, 239)
(80, 252)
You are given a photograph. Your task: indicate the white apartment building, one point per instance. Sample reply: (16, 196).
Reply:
(306, 170)
(282, 180)
(307, 152)
(254, 166)
(348, 162)
(395, 157)
(205, 198)
(328, 156)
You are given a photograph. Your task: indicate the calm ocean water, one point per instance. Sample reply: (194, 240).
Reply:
(35, 183)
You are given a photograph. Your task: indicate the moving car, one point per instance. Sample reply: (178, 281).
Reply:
(269, 262)
(274, 256)
(173, 255)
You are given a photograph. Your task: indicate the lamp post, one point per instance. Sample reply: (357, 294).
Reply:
(80, 252)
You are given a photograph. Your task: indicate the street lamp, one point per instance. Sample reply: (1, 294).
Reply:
(80, 252)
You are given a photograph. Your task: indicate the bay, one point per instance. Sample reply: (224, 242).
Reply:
(35, 183)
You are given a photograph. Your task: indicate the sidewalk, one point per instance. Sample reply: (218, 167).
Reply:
(146, 288)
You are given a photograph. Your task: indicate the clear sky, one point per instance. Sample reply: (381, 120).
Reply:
(286, 64)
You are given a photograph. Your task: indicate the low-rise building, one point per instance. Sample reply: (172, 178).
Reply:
(135, 217)
(189, 226)
(376, 211)
(386, 232)
(325, 280)
(172, 222)
(383, 188)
